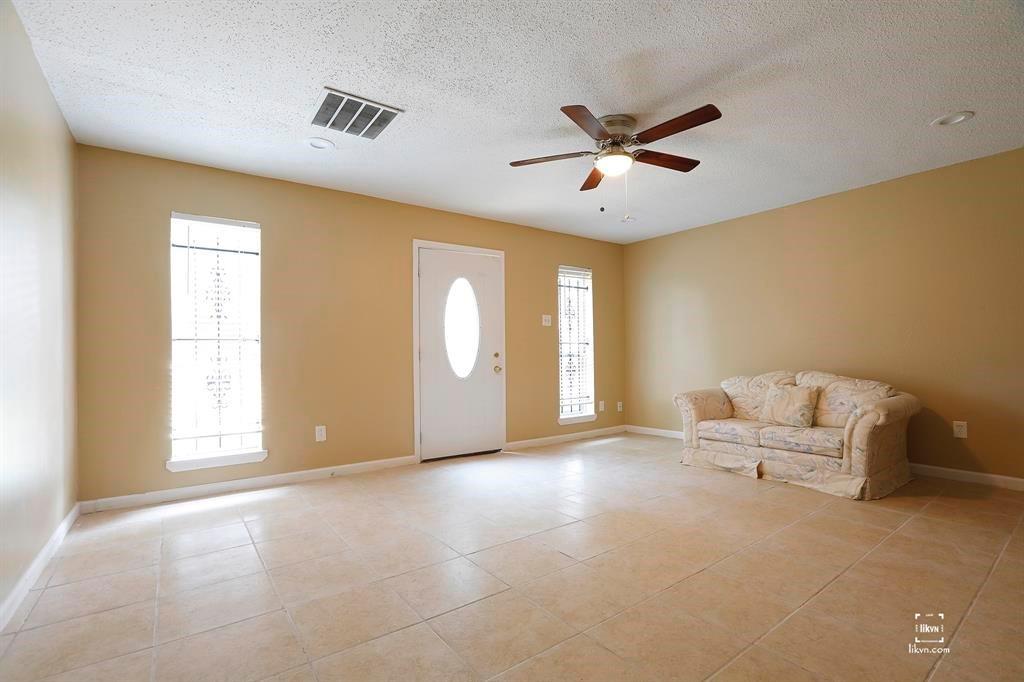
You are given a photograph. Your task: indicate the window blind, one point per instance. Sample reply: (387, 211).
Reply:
(216, 398)
(575, 342)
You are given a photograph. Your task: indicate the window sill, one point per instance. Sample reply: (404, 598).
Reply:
(577, 420)
(224, 459)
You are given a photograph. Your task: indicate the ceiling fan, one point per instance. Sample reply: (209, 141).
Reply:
(614, 136)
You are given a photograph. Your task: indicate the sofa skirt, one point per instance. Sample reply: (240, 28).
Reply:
(820, 473)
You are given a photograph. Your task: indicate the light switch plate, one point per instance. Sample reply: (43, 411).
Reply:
(321, 433)
(545, 320)
(620, 406)
(600, 406)
(959, 429)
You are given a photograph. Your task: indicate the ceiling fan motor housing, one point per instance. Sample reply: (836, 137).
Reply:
(620, 126)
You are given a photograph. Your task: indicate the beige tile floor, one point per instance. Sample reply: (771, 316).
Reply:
(595, 560)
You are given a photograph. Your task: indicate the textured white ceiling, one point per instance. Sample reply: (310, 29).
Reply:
(817, 97)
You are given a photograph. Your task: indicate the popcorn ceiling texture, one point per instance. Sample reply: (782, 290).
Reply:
(817, 97)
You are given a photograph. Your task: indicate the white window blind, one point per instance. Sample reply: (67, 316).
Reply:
(575, 342)
(216, 401)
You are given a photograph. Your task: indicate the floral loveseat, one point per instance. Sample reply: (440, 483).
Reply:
(855, 443)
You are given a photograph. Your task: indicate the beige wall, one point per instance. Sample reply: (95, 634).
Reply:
(912, 281)
(337, 318)
(37, 417)
(915, 281)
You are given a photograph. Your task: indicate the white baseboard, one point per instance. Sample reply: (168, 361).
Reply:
(994, 480)
(648, 431)
(563, 438)
(28, 579)
(189, 492)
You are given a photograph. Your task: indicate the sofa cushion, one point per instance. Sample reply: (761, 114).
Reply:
(742, 431)
(747, 393)
(790, 405)
(816, 440)
(840, 396)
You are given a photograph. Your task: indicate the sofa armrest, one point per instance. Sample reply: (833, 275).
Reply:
(696, 406)
(890, 410)
(875, 437)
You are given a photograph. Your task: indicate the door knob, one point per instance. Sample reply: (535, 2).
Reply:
(497, 369)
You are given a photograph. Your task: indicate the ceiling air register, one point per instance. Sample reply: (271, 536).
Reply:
(347, 113)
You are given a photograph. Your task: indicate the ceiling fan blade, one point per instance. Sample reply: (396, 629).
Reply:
(592, 181)
(555, 157)
(679, 163)
(697, 117)
(582, 117)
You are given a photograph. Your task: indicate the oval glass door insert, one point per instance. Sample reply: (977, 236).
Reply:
(461, 327)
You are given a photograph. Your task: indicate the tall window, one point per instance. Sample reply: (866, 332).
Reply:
(575, 345)
(215, 339)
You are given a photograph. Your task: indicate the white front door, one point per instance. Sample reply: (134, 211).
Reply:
(461, 351)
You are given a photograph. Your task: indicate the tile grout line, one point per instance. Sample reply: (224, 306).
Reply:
(793, 612)
(151, 647)
(284, 607)
(348, 548)
(91, 613)
(137, 543)
(159, 568)
(584, 632)
(741, 548)
(426, 621)
(974, 599)
(156, 614)
(512, 588)
(423, 621)
(804, 603)
(288, 616)
(159, 565)
(702, 570)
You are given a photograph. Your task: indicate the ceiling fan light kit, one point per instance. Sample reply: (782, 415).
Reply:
(614, 137)
(613, 160)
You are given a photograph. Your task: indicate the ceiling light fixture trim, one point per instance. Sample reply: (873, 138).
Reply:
(953, 119)
(320, 143)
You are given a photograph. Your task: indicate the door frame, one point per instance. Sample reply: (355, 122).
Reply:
(417, 245)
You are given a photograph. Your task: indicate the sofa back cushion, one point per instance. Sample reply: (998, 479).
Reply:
(790, 405)
(747, 393)
(839, 396)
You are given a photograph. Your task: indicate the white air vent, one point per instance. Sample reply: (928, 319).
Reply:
(347, 113)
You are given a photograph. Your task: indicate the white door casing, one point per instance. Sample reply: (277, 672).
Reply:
(459, 385)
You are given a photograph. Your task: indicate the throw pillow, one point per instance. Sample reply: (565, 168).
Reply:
(790, 405)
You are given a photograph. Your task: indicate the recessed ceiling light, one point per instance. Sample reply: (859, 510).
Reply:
(320, 143)
(953, 119)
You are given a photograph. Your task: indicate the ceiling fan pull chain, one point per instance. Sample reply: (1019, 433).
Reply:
(626, 218)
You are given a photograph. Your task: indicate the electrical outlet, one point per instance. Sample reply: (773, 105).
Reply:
(321, 433)
(600, 406)
(620, 406)
(959, 429)
(545, 320)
